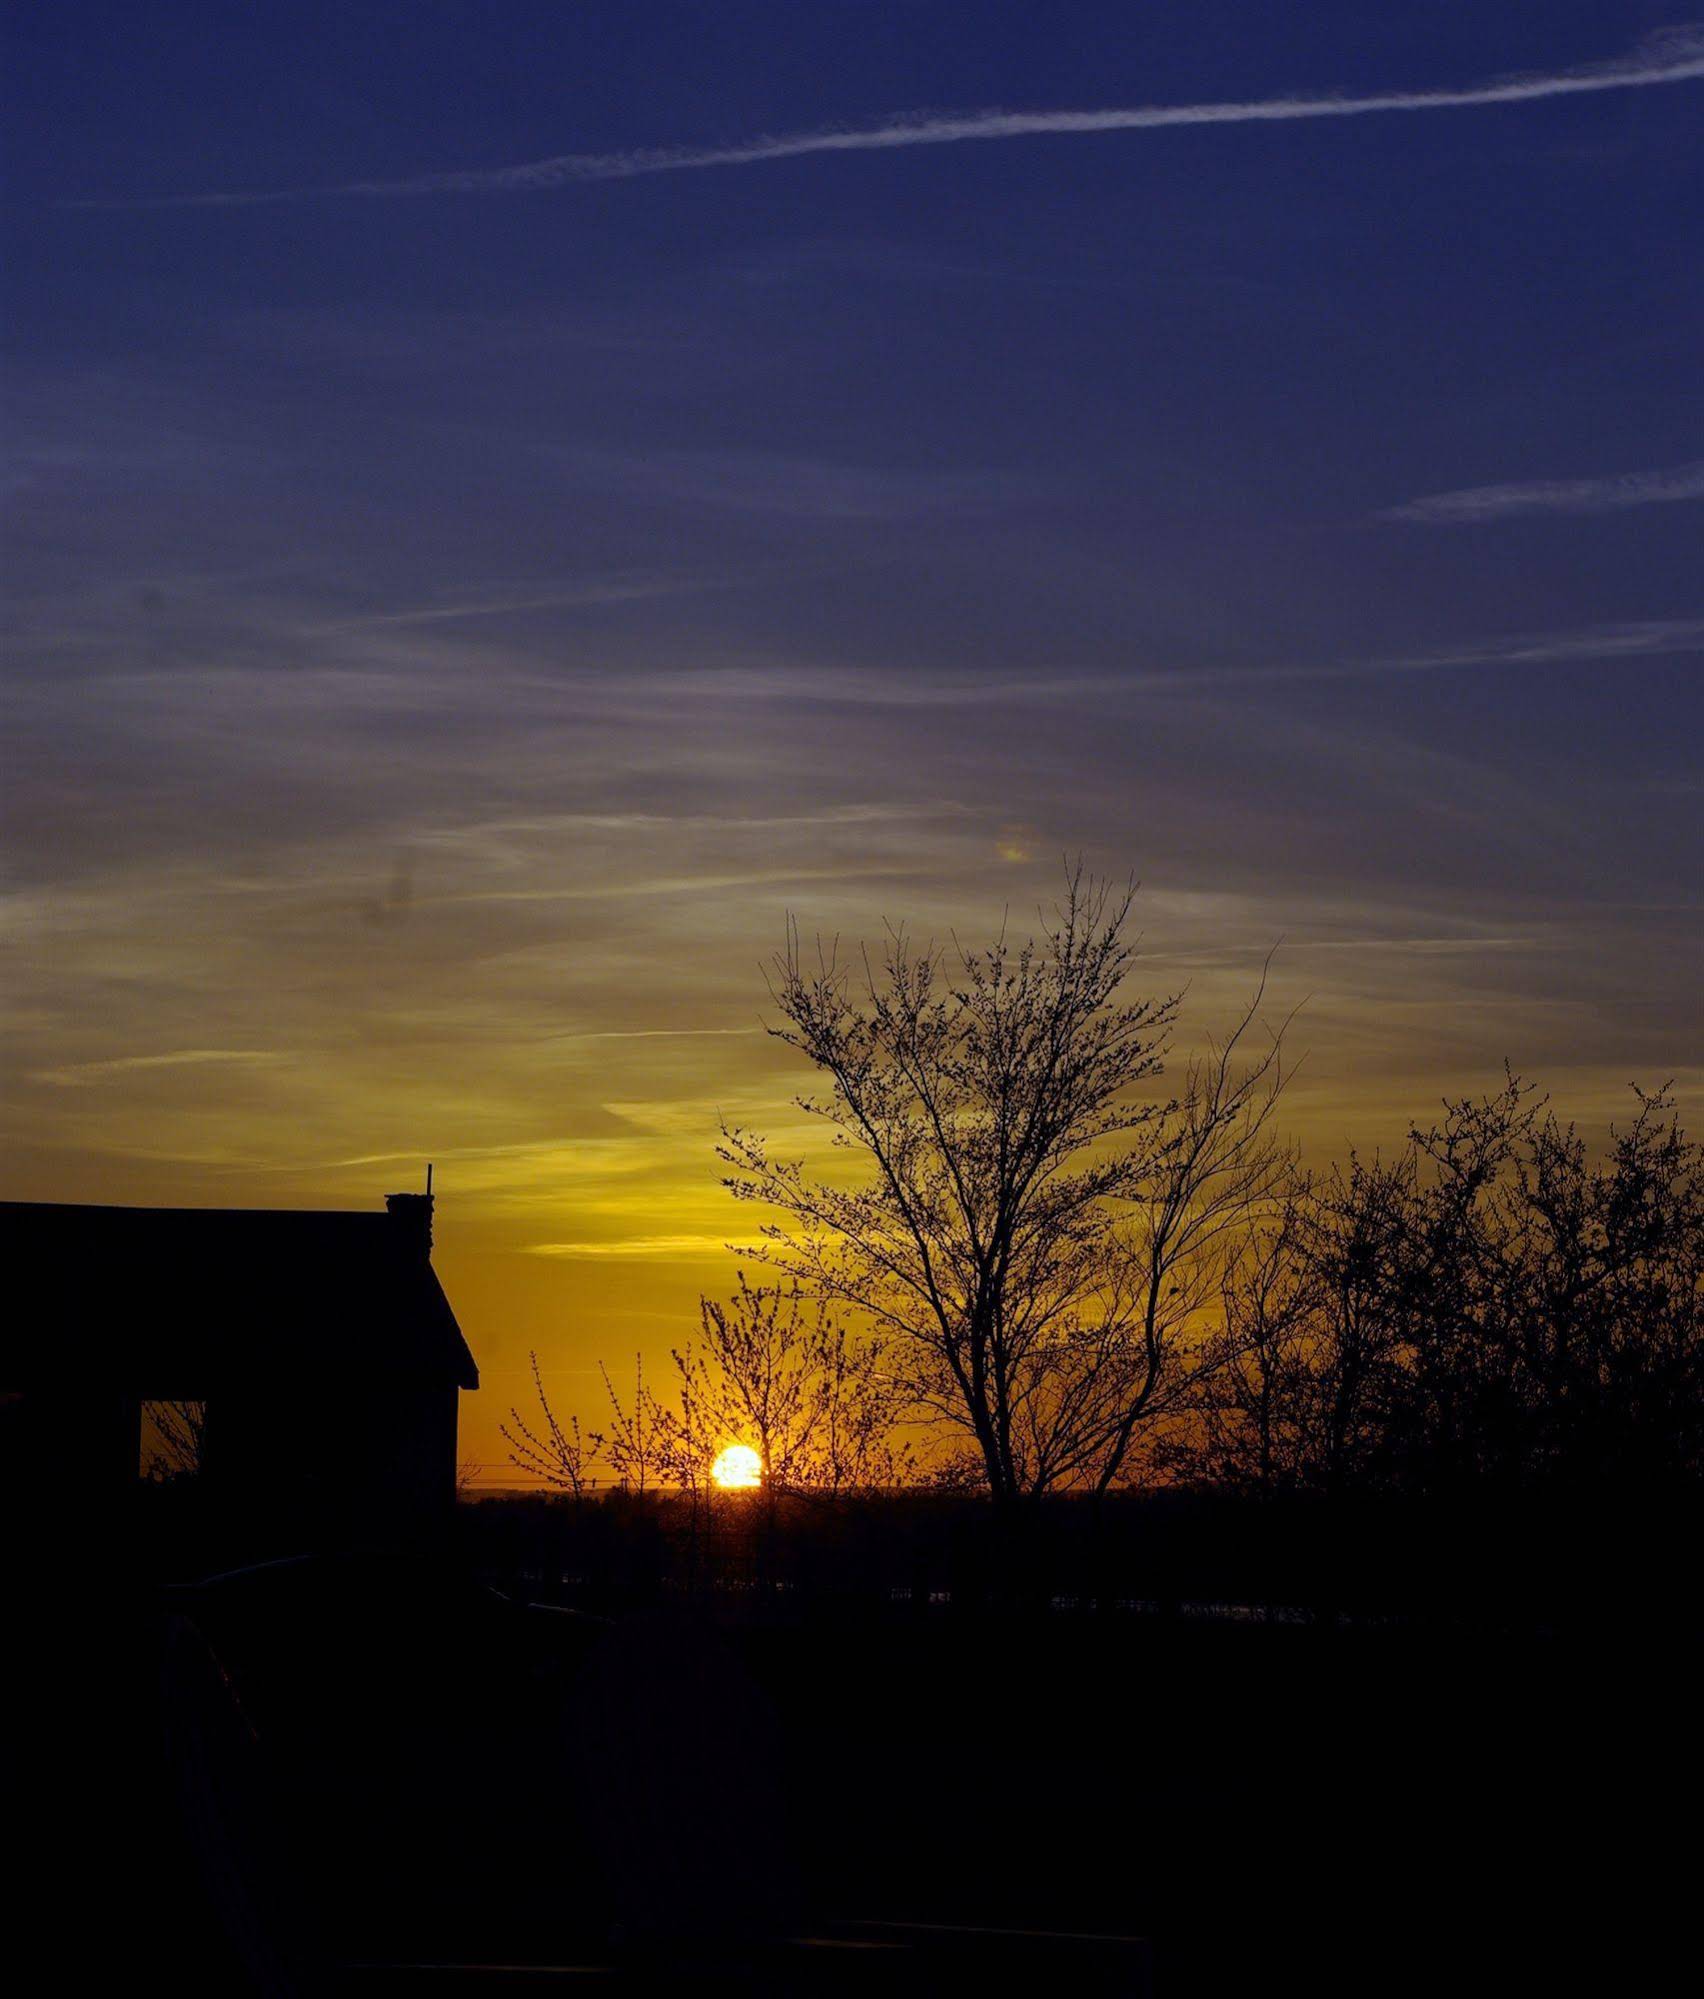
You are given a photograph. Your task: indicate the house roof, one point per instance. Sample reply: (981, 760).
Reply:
(172, 1302)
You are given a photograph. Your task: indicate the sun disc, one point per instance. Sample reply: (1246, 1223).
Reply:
(738, 1469)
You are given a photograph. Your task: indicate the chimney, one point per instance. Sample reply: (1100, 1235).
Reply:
(413, 1213)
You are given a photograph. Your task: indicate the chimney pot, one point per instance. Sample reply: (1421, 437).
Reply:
(413, 1212)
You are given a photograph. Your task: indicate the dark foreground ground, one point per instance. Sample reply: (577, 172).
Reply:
(354, 1776)
(1275, 1808)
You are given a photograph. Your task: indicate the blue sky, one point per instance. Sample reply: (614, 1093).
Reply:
(449, 629)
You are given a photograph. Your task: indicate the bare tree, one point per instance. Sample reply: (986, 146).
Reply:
(778, 1371)
(642, 1442)
(1607, 1336)
(756, 1375)
(689, 1437)
(861, 1401)
(1488, 1311)
(557, 1453)
(1353, 1235)
(1215, 1172)
(174, 1440)
(1253, 1420)
(997, 1094)
(1550, 1313)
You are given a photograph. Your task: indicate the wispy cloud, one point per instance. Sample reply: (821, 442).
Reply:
(1675, 55)
(655, 1033)
(1553, 496)
(874, 688)
(613, 590)
(484, 832)
(646, 1248)
(688, 885)
(79, 1075)
(1649, 638)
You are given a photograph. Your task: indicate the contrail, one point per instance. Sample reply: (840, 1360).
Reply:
(1673, 55)
(1553, 496)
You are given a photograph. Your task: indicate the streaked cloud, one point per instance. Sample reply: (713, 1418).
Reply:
(644, 1248)
(1610, 495)
(1674, 55)
(613, 590)
(1648, 638)
(78, 1075)
(657, 1033)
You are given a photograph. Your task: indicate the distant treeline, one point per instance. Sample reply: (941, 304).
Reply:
(1164, 1554)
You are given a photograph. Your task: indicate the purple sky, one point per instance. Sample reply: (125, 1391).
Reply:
(450, 627)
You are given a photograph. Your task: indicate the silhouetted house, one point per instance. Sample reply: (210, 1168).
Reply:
(321, 1344)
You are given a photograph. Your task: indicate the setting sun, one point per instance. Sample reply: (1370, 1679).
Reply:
(737, 1469)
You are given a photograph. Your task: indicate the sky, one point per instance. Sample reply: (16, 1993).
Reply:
(506, 502)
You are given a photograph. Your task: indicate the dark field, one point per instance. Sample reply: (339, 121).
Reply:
(347, 1769)
(1368, 1810)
